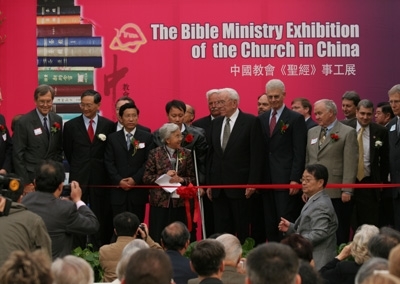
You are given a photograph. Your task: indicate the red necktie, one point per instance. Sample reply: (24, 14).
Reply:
(272, 123)
(90, 131)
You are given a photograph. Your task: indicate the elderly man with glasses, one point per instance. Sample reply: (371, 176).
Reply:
(317, 221)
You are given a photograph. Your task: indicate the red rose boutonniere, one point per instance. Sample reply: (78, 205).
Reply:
(189, 138)
(2, 129)
(135, 143)
(334, 137)
(55, 128)
(284, 127)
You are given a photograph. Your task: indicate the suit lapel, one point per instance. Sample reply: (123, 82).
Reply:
(218, 129)
(235, 132)
(335, 130)
(122, 139)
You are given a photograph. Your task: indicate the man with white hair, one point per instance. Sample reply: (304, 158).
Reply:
(285, 135)
(234, 158)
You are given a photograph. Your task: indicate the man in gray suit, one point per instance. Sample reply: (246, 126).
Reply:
(335, 146)
(63, 218)
(317, 221)
(37, 137)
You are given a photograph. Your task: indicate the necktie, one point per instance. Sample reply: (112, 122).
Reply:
(272, 123)
(128, 141)
(226, 134)
(90, 130)
(360, 171)
(322, 136)
(46, 128)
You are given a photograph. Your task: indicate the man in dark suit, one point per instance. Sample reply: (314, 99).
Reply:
(126, 153)
(234, 158)
(5, 148)
(394, 150)
(121, 101)
(335, 146)
(63, 218)
(175, 239)
(285, 135)
(374, 160)
(205, 122)
(303, 106)
(84, 146)
(37, 136)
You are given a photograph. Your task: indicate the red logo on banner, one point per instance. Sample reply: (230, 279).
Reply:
(128, 38)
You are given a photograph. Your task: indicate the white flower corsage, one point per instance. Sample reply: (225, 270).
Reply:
(102, 137)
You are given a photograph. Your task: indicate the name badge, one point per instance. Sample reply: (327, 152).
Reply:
(37, 131)
(313, 141)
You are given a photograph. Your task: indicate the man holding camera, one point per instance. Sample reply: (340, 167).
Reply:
(62, 217)
(20, 229)
(127, 227)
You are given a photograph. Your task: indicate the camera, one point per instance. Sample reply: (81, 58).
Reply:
(11, 189)
(66, 190)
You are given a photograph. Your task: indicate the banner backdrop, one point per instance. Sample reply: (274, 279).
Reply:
(156, 50)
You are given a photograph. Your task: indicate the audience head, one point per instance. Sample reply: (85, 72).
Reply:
(302, 106)
(132, 247)
(381, 277)
(207, 258)
(228, 101)
(325, 112)
(275, 90)
(175, 236)
(308, 274)
(369, 268)
(381, 244)
(149, 266)
(394, 99)
(394, 261)
(72, 270)
(263, 104)
(272, 263)
(383, 113)
(232, 247)
(90, 103)
(175, 110)
(50, 176)
(301, 246)
(26, 267)
(212, 99)
(359, 246)
(350, 100)
(126, 224)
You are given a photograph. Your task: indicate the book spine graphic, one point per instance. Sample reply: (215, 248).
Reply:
(67, 41)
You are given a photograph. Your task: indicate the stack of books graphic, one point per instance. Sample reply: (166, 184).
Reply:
(67, 53)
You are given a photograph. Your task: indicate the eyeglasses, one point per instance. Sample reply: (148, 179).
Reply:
(89, 106)
(394, 102)
(306, 180)
(222, 102)
(43, 103)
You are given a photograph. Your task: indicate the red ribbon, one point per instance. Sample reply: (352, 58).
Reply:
(186, 193)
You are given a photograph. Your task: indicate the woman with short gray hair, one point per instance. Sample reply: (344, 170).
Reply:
(177, 163)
